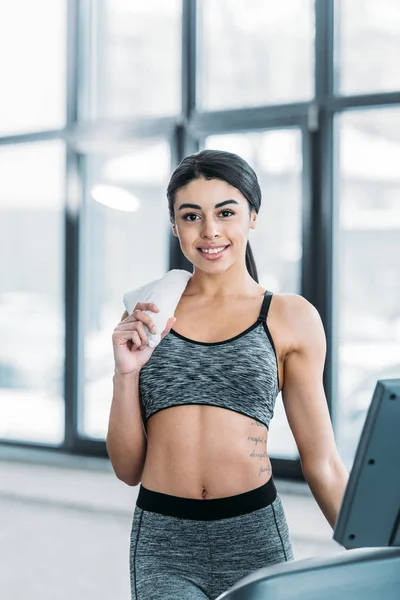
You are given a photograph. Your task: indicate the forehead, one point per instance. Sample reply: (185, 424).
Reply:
(208, 192)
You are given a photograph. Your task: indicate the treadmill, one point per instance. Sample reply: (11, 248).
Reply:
(368, 525)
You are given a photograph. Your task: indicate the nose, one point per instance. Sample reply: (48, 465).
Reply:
(210, 230)
(211, 236)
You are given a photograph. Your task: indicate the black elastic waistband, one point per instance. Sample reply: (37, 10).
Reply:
(206, 510)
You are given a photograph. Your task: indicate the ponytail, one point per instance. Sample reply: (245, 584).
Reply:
(251, 263)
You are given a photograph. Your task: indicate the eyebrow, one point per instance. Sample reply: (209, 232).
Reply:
(197, 206)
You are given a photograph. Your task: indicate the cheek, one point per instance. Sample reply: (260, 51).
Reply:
(239, 232)
(186, 233)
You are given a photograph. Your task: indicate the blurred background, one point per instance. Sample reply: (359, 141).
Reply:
(99, 100)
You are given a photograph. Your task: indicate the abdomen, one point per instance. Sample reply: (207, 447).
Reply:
(197, 451)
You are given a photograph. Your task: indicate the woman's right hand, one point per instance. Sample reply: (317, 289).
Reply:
(131, 351)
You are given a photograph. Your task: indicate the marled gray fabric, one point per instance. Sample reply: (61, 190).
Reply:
(239, 374)
(182, 559)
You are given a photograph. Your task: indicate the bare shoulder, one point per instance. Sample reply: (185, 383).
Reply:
(300, 319)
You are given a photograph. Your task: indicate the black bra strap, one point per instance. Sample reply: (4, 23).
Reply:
(265, 306)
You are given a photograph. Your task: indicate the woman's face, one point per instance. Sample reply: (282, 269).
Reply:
(212, 214)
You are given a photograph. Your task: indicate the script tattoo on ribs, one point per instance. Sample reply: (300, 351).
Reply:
(264, 470)
(257, 424)
(259, 439)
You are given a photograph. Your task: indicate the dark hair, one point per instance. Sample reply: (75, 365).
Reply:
(217, 164)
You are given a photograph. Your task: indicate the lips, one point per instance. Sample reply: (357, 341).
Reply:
(212, 246)
(213, 255)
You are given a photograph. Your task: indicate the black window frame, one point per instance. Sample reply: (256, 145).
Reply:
(186, 133)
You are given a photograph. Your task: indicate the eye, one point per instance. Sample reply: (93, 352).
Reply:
(227, 211)
(185, 217)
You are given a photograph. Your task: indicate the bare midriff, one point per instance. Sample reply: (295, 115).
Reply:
(204, 452)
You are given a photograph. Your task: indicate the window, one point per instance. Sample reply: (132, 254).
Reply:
(255, 52)
(121, 251)
(32, 65)
(367, 250)
(31, 292)
(249, 54)
(136, 61)
(368, 46)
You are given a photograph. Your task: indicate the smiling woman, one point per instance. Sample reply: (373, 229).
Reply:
(206, 395)
(213, 174)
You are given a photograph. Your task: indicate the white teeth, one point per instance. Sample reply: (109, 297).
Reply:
(212, 250)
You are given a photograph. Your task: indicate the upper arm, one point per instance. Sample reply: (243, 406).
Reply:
(303, 391)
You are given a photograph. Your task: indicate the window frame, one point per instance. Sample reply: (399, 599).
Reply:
(185, 133)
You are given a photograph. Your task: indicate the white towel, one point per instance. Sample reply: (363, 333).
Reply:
(165, 293)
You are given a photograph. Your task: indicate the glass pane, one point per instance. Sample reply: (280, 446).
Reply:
(136, 69)
(367, 250)
(31, 292)
(276, 157)
(255, 52)
(122, 250)
(368, 46)
(32, 65)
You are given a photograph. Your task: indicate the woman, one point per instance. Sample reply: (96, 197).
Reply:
(207, 512)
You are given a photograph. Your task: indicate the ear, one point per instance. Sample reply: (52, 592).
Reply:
(253, 220)
(174, 230)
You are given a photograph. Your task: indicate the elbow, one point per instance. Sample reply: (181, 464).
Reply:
(323, 470)
(125, 471)
(127, 479)
(127, 476)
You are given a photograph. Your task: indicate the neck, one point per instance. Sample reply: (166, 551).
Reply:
(214, 286)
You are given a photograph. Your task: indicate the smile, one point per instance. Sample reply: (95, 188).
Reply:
(214, 253)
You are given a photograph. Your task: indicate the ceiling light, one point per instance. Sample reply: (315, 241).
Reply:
(115, 197)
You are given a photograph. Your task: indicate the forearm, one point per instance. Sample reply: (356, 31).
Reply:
(327, 482)
(126, 439)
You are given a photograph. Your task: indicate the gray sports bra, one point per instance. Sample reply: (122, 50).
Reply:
(239, 374)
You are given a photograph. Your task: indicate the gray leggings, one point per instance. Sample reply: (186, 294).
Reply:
(191, 549)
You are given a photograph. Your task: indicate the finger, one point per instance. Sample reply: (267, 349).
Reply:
(122, 337)
(147, 306)
(142, 306)
(136, 341)
(127, 328)
(139, 315)
(145, 319)
(140, 330)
